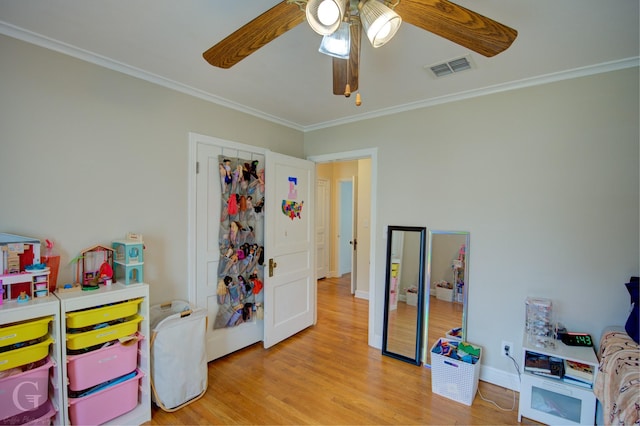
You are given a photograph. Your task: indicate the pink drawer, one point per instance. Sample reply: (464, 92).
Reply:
(107, 404)
(92, 368)
(25, 391)
(41, 416)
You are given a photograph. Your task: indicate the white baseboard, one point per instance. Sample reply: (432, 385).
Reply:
(500, 378)
(362, 294)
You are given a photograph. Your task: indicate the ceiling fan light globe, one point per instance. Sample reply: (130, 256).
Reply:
(337, 44)
(328, 13)
(380, 23)
(324, 16)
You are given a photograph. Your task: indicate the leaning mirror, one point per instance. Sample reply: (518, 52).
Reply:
(404, 293)
(448, 282)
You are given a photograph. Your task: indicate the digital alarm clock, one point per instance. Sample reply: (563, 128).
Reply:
(577, 339)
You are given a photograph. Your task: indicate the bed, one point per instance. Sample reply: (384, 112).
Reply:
(617, 384)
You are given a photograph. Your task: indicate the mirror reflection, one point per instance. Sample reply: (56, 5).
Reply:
(447, 277)
(404, 293)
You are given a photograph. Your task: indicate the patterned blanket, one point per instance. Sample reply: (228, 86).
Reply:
(617, 385)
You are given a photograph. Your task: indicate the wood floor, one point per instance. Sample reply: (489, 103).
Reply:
(328, 375)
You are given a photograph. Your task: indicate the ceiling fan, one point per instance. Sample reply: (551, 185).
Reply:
(378, 19)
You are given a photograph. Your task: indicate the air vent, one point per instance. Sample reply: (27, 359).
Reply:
(450, 67)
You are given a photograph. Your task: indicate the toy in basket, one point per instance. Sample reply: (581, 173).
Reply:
(455, 369)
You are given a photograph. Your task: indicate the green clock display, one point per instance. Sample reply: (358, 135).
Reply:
(577, 339)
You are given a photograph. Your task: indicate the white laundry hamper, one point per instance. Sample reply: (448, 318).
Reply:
(178, 354)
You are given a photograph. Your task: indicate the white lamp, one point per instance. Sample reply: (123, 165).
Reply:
(337, 44)
(380, 23)
(324, 16)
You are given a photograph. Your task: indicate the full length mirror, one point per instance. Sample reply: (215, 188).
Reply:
(447, 278)
(404, 293)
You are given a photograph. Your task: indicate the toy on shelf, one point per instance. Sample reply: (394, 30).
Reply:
(22, 298)
(20, 266)
(94, 267)
(129, 259)
(52, 260)
(68, 287)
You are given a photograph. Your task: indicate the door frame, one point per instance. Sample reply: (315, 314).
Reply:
(375, 312)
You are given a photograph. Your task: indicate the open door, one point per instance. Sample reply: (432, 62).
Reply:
(207, 205)
(289, 279)
(291, 292)
(354, 235)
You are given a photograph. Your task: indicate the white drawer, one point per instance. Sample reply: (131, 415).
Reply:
(554, 402)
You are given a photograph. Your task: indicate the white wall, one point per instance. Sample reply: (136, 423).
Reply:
(545, 179)
(88, 154)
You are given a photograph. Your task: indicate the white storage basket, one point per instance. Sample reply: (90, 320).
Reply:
(178, 354)
(452, 378)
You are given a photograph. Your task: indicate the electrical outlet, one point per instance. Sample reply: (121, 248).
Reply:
(506, 348)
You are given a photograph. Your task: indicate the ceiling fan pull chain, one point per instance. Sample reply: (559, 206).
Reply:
(358, 99)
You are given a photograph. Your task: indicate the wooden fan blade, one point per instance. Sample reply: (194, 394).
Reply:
(458, 24)
(252, 36)
(340, 73)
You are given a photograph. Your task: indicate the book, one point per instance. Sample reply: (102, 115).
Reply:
(536, 362)
(557, 366)
(549, 375)
(556, 369)
(578, 371)
(577, 382)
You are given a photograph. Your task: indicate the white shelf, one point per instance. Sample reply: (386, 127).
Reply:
(116, 292)
(12, 311)
(568, 404)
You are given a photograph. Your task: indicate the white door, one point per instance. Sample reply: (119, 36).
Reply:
(345, 229)
(289, 282)
(354, 234)
(208, 198)
(322, 227)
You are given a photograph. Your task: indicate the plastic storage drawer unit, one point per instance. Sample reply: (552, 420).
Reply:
(24, 331)
(24, 355)
(88, 317)
(107, 404)
(41, 416)
(25, 391)
(102, 335)
(95, 367)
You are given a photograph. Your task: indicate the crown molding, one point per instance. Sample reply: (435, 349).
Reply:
(514, 85)
(85, 55)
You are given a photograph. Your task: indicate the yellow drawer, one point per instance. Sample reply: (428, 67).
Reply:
(24, 330)
(102, 335)
(24, 355)
(80, 319)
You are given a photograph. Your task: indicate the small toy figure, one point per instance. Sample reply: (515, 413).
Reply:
(105, 273)
(232, 205)
(222, 290)
(233, 232)
(257, 284)
(227, 170)
(23, 298)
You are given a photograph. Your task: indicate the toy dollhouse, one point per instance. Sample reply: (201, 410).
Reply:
(94, 266)
(21, 274)
(129, 259)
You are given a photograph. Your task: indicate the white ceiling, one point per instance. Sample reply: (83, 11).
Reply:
(289, 82)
